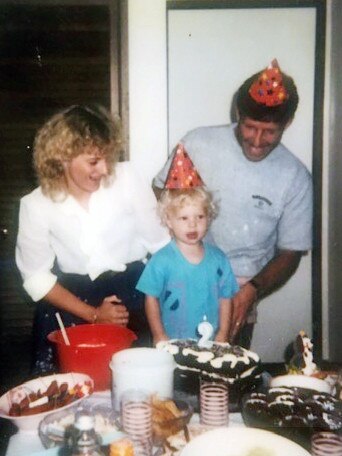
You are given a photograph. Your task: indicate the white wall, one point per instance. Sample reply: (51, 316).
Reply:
(204, 71)
(212, 51)
(147, 84)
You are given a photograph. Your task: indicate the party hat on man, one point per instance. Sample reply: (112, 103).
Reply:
(268, 88)
(182, 173)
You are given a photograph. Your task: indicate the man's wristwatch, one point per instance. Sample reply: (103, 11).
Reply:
(256, 285)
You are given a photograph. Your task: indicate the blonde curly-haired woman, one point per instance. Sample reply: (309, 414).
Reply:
(85, 231)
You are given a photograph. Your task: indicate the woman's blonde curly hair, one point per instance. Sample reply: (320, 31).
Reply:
(173, 199)
(68, 134)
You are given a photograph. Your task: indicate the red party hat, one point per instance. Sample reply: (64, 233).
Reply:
(182, 173)
(268, 89)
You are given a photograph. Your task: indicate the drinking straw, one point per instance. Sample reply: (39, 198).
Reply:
(61, 325)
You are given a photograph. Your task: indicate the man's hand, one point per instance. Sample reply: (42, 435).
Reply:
(112, 311)
(242, 302)
(270, 278)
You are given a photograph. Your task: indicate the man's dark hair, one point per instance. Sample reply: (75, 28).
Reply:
(280, 114)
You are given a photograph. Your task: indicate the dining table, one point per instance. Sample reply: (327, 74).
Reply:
(28, 443)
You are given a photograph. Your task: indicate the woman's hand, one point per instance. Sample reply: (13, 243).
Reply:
(112, 311)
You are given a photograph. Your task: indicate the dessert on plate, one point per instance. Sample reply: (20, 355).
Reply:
(302, 362)
(295, 413)
(25, 402)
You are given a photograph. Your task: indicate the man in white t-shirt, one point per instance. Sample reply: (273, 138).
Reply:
(264, 192)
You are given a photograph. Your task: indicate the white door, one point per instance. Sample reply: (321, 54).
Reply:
(210, 53)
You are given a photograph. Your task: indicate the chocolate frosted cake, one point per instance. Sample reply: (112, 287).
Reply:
(230, 363)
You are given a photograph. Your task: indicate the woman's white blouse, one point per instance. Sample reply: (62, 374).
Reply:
(120, 226)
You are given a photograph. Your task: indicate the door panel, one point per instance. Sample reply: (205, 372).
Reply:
(216, 48)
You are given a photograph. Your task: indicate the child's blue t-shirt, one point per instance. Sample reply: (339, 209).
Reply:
(188, 292)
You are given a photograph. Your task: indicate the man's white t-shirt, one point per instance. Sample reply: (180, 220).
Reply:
(263, 205)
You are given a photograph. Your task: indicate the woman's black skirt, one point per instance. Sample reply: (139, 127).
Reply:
(121, 284)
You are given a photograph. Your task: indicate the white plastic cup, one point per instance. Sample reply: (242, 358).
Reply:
(326, 444)
(148, 369)
(214, 408)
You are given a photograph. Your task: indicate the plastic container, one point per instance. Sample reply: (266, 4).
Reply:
(148, 369)
(91, 349)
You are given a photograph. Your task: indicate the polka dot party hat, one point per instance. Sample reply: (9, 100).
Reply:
(182, 173)
(268, 89)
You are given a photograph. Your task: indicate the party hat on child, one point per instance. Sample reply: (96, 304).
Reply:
(182, 173)
(268, 88)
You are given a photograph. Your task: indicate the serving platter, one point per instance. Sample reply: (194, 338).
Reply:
(301, 381)
(81, 386)
(242, 442)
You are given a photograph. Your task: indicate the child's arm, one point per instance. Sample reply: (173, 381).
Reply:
(152, 310)
(226, 310)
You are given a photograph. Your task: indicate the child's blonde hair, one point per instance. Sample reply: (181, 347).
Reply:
(68, 134)
(173, 199)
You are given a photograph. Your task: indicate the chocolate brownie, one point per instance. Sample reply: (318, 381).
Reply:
(293, 412)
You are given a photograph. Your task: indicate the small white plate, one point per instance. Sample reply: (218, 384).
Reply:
(242, 442)
(301, 381)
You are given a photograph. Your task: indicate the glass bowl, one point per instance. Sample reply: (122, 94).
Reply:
(169, 417)
(54, 427)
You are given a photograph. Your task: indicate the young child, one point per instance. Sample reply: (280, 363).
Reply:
(188, 280)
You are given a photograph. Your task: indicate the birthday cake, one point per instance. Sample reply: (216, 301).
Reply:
(222, 361)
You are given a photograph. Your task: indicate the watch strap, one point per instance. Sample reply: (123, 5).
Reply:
(256, 285)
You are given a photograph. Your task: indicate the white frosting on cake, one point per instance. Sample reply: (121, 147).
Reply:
(333, 424)
(233, 359)
(202, 356)
(248, 372)
(277, 403)
(166, 345)
(256, 401)
(284, 397)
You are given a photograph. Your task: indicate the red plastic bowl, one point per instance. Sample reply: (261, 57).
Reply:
(91, 349)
